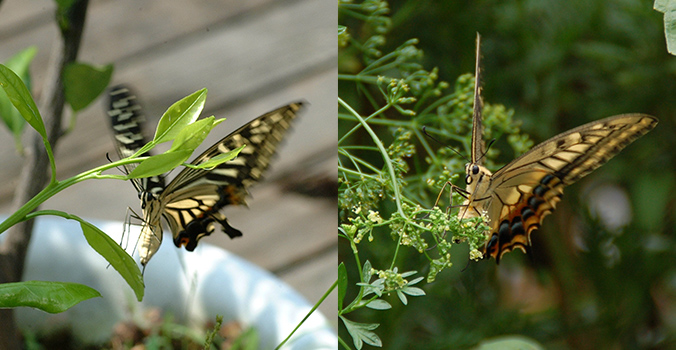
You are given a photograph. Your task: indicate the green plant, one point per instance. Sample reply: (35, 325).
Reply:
(391, 175)
(178, 124)
(559, 64)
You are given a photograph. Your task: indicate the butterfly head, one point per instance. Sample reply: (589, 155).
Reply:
(477, 178)
(148, 199)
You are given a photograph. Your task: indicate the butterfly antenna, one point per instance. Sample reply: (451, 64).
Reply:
(487, 149)
(424, 130)
(466, 266)
(122, 170)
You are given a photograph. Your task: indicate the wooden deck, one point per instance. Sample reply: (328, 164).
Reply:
(253, 56)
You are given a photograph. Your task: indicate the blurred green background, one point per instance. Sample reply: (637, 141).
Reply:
(558, 64)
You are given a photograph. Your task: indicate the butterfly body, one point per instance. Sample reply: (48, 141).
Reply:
(191, 203)
(517, 197)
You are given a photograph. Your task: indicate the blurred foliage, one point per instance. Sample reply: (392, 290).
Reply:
(153, 330)
(558, 65)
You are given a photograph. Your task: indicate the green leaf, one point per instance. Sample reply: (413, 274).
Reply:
(402, 297)
(180, 114)
(342, 284)
(122, 262)
(510, 342)
(160, 164)
(191, 136)
(52, 297)
(19, 63)
(366, 271)
(217, 160)
(379, 304)
(64, 5)
(83, 83)
(668, 7)
(361, 333)
(661, 5)
(413, 291)
(21, 99)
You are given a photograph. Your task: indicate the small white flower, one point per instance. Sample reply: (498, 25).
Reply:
(476, 255)
(374, 216)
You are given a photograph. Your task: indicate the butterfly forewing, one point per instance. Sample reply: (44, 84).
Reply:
(527, 189)
(517, 197)
(261, 137)
(477, 127)
(127, 121)
(192, 200)
(579, 151)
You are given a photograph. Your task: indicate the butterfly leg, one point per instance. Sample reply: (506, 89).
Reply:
(126, 228)
(459, 190)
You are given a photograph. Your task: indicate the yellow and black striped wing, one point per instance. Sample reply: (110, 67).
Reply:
(192, 200)
(126, 118)
(523, 192)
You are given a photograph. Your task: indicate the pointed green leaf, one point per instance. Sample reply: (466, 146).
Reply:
(217, 160)
(342, 284)
(367, 271)
(21, 99)
(191, 136)
(104, 245)
(402, 297)
(19, 63)
(180, 114)
(83, 83)
(160, 164)
(379, 304)
(122, 262)
(413, 291)
(52, 297)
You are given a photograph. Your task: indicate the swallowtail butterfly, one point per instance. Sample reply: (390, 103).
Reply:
(518, 196)
(190, 204)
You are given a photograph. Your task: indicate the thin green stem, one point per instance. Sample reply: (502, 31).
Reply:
(356, 173)
(396, 252)
(360, 119)
(321, 300)
(360, 78)
(52, 163)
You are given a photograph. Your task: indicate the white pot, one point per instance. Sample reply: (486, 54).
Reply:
(193, 287)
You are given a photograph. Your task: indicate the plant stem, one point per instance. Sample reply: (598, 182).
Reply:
(55, 187)
(335, 284)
